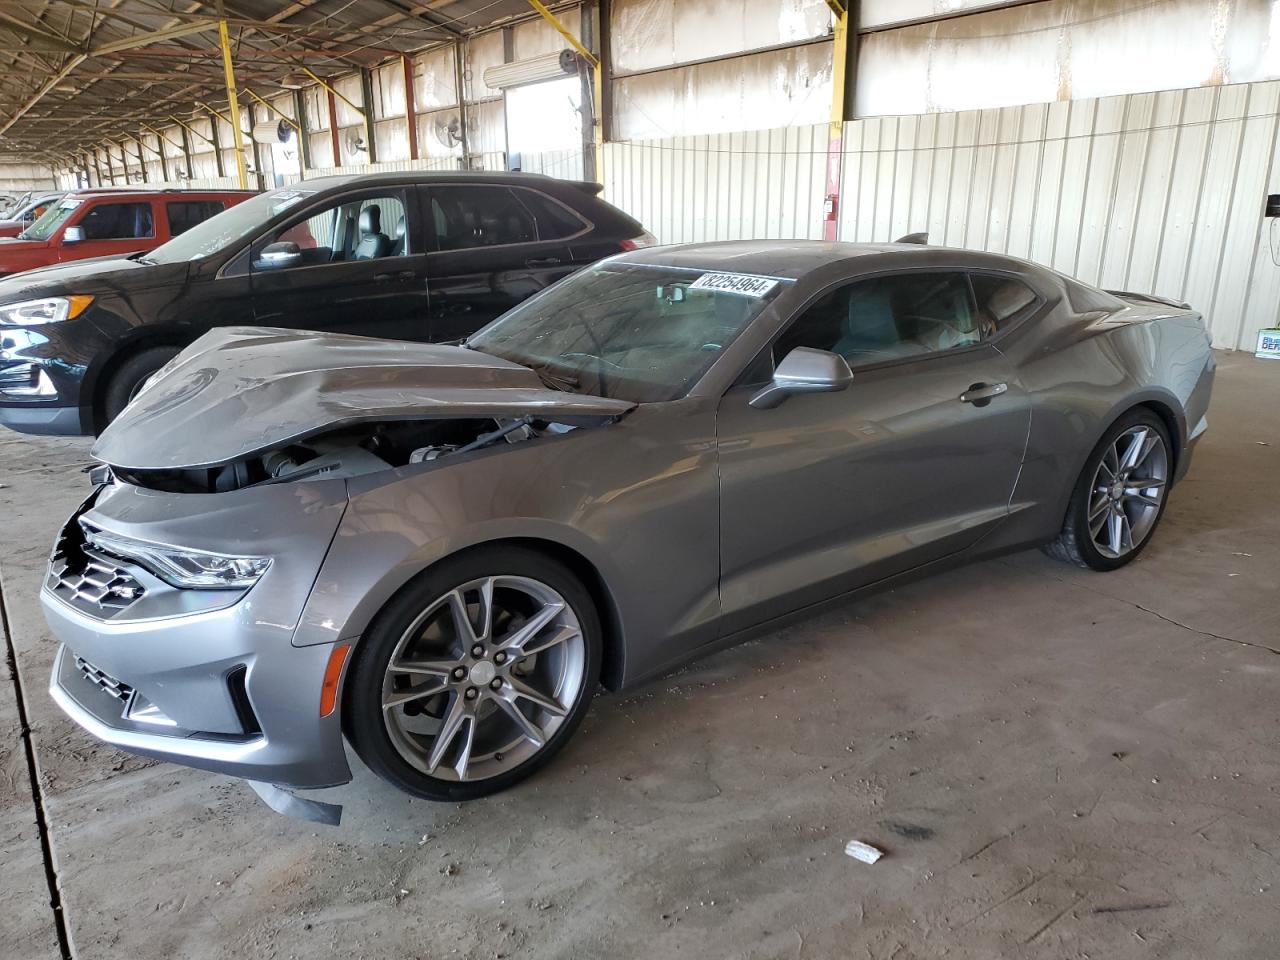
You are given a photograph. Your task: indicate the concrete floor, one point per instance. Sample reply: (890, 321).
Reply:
(1059, 763)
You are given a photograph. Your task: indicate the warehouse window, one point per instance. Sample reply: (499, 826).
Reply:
(185, 214)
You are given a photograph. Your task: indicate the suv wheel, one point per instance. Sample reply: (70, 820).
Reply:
(129, 378)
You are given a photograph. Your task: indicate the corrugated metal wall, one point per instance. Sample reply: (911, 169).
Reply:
(1155, 192)
(725, 186)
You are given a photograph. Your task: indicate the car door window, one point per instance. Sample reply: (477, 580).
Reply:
(353, 228)
(1001, 302)
(185, 214)
(118, 221)
(465, 217)
(886, 318)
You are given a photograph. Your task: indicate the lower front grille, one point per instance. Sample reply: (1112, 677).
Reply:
(104, 682)
(26, 381)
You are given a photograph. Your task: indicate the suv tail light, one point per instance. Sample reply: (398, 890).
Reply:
(645, 239)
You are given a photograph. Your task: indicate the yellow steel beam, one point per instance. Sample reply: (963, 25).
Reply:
(297, 128)
(224, 40)
(839, 71)
(552, 19)
(368, 120)
(192, 130)
(221, 116)
(45, 87)
(597, 83)
(279, 113)
(159, 135)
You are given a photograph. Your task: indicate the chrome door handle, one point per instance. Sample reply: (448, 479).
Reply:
(397, 275)
(980, 394)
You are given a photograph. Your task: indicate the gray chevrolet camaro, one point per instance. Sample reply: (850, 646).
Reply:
(441, 551)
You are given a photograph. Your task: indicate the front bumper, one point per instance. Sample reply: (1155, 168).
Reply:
(210, 679)
(42, 370)
(43, 419)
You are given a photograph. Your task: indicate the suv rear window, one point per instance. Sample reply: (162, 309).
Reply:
(185, 214)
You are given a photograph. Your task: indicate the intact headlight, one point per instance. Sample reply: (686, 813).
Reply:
(30, 313)
(179, 567)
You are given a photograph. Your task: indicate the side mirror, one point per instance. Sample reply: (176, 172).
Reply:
(277, 256)
(73, 235)
(804, 370)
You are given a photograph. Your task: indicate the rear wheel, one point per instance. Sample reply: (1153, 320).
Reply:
(1119, 497)
(128, 379)
(475, 675)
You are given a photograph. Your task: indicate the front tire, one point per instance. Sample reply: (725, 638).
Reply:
(128, 379)
(1120, 495)
(474, 675)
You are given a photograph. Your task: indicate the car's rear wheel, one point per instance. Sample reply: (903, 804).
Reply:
(474, 675)
(129, 378)
(1120, 495)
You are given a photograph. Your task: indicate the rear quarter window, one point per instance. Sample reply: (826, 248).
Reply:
(554, 220)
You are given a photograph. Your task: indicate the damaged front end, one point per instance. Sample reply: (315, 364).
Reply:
(246, 406)
(238, 456)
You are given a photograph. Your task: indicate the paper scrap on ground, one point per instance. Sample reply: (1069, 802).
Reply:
(863, 851)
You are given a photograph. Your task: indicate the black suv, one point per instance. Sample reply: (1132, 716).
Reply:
(414, 256)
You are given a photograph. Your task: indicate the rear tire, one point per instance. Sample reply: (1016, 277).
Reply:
(1119, 496)
(128, 379)
(497, 651)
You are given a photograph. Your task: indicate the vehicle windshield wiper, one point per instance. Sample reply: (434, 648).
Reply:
(139, 258)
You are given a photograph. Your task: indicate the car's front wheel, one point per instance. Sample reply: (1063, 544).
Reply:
(475, 674)
(129, 378)
(1120, 496)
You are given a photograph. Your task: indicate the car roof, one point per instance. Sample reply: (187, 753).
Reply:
(167, 192)
(507, 177)
(793, 259)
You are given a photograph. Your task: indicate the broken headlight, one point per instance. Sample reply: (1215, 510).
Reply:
(179, 567)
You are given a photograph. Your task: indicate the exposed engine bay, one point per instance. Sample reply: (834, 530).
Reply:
(350, 452)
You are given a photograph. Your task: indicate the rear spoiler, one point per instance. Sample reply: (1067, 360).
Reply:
(587, 186)
(1150, 298)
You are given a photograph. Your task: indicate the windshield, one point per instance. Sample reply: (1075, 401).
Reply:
(227, 227)
(630, 331)
(30, 209)
(53, 218)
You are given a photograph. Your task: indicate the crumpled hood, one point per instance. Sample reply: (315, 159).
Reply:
(240, 391)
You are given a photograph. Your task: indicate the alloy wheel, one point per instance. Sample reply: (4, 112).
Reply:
(1127, 491)
(483, 678)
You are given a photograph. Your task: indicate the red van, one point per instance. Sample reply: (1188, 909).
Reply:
(111, 223)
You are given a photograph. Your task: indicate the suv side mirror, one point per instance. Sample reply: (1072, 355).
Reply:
(277, 256)
(804, 370)
(73, 235)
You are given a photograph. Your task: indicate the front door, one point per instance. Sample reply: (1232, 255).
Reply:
(915, 460)
(493, 250)
(362, 270)
(110, 229)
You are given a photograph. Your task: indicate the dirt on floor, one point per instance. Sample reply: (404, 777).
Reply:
(1057, 763)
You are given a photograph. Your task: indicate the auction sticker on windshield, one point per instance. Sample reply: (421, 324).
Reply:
(743, 283)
